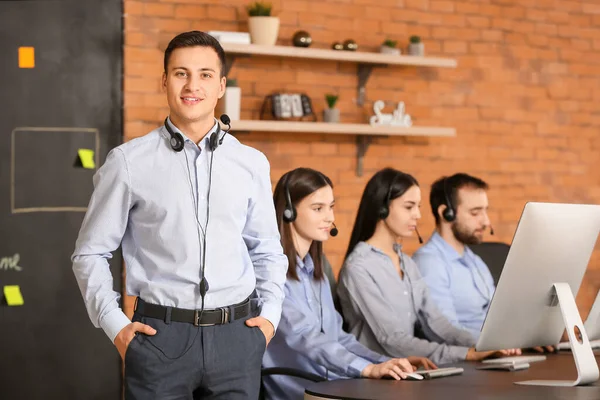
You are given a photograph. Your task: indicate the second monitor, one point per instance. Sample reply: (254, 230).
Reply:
(535, 297)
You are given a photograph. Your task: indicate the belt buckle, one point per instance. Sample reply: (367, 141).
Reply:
(224, 315)
(196, 318)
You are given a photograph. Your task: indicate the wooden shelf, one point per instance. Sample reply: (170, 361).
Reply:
(366, 61)
(341, 129)
(359, 57)
(364, 132)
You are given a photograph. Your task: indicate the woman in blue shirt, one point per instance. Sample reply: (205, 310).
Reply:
(310, 335)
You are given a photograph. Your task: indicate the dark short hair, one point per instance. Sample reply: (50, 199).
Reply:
(301, 182)
(192, 39)
(386, 182)
(448, 187)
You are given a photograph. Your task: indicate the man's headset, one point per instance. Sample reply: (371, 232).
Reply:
(384, 210)
(449, 213)
(290, 213)
(177, 143)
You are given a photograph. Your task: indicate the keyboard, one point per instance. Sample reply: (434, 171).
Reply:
(514, 360)
(595, 344)
(440, 372)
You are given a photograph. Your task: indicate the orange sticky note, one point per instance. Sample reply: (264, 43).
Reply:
(26, 57)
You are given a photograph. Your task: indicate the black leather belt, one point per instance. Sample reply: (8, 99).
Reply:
(218, 316)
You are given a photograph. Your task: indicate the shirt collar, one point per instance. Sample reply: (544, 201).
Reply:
(397, 248)
(449, 251)
(205, 140)
(307, 264)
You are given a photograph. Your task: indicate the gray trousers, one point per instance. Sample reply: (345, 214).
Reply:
(182, 361)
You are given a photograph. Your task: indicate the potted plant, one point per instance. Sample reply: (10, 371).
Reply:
(263, 27)
(389, 47)
(331, 114)
(416, 47)
(231, 101)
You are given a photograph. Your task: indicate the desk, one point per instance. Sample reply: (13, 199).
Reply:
(472, 384)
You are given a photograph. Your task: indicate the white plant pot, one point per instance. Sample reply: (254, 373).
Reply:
(389, 50)
(231, 103)
(263, 30)
(331, 115)
(416, 49)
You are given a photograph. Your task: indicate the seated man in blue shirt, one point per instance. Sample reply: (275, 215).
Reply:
(459, 281)
(310, 336)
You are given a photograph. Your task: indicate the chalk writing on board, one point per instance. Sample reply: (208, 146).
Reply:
(10, 263)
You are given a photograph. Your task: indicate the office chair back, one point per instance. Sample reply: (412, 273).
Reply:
(494, 255)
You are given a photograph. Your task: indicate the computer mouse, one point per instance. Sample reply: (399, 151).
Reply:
(411, 376)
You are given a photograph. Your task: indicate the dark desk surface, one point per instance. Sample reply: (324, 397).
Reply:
(472, 384)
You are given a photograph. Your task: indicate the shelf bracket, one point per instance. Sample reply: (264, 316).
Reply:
(362, 144)
(229, 60)
(363, 72)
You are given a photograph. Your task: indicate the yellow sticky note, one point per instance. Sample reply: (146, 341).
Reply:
(87, 158)
(13, 295)
(26, 57)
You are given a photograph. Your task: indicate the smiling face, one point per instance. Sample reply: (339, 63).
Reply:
(193, 84)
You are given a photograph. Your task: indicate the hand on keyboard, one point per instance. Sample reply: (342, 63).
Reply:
(421, 363)
(473, 355)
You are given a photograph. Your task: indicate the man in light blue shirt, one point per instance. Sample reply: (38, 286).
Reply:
(459, 281)
(191, 208)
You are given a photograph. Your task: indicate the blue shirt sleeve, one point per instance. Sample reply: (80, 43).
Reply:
(101, 233)
(263, 242)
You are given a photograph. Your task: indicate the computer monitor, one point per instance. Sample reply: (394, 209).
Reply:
(535, 298)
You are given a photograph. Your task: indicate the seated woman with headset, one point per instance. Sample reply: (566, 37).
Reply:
(310, 336)
(382, 294)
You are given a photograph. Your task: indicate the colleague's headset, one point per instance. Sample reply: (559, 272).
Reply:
(177, 143)
(384, 210)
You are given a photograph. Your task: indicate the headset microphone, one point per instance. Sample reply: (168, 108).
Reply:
(419, 236)
(226, 121)
(491, 230)
(334, 231)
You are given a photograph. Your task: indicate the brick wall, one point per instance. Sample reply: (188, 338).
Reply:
(525, 98)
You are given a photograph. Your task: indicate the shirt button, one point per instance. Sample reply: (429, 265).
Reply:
(409, 314)
(405, 293)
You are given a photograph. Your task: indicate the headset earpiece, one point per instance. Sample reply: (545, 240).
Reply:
(449, 214)
(289, 213)
(176, 140)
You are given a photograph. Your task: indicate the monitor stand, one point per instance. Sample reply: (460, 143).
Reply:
(587, 368)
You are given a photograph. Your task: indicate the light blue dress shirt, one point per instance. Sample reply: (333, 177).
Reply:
(461, 286)
(300, 343)
(144, 199)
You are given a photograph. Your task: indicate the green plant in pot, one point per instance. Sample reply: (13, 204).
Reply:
(416, 46)
(389, 46)
(331, 114)
(263, 27)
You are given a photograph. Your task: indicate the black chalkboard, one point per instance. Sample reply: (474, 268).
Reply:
(70, 99)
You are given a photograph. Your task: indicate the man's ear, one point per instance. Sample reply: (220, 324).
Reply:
(222, 87)
(164, 81)
(440, 211)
